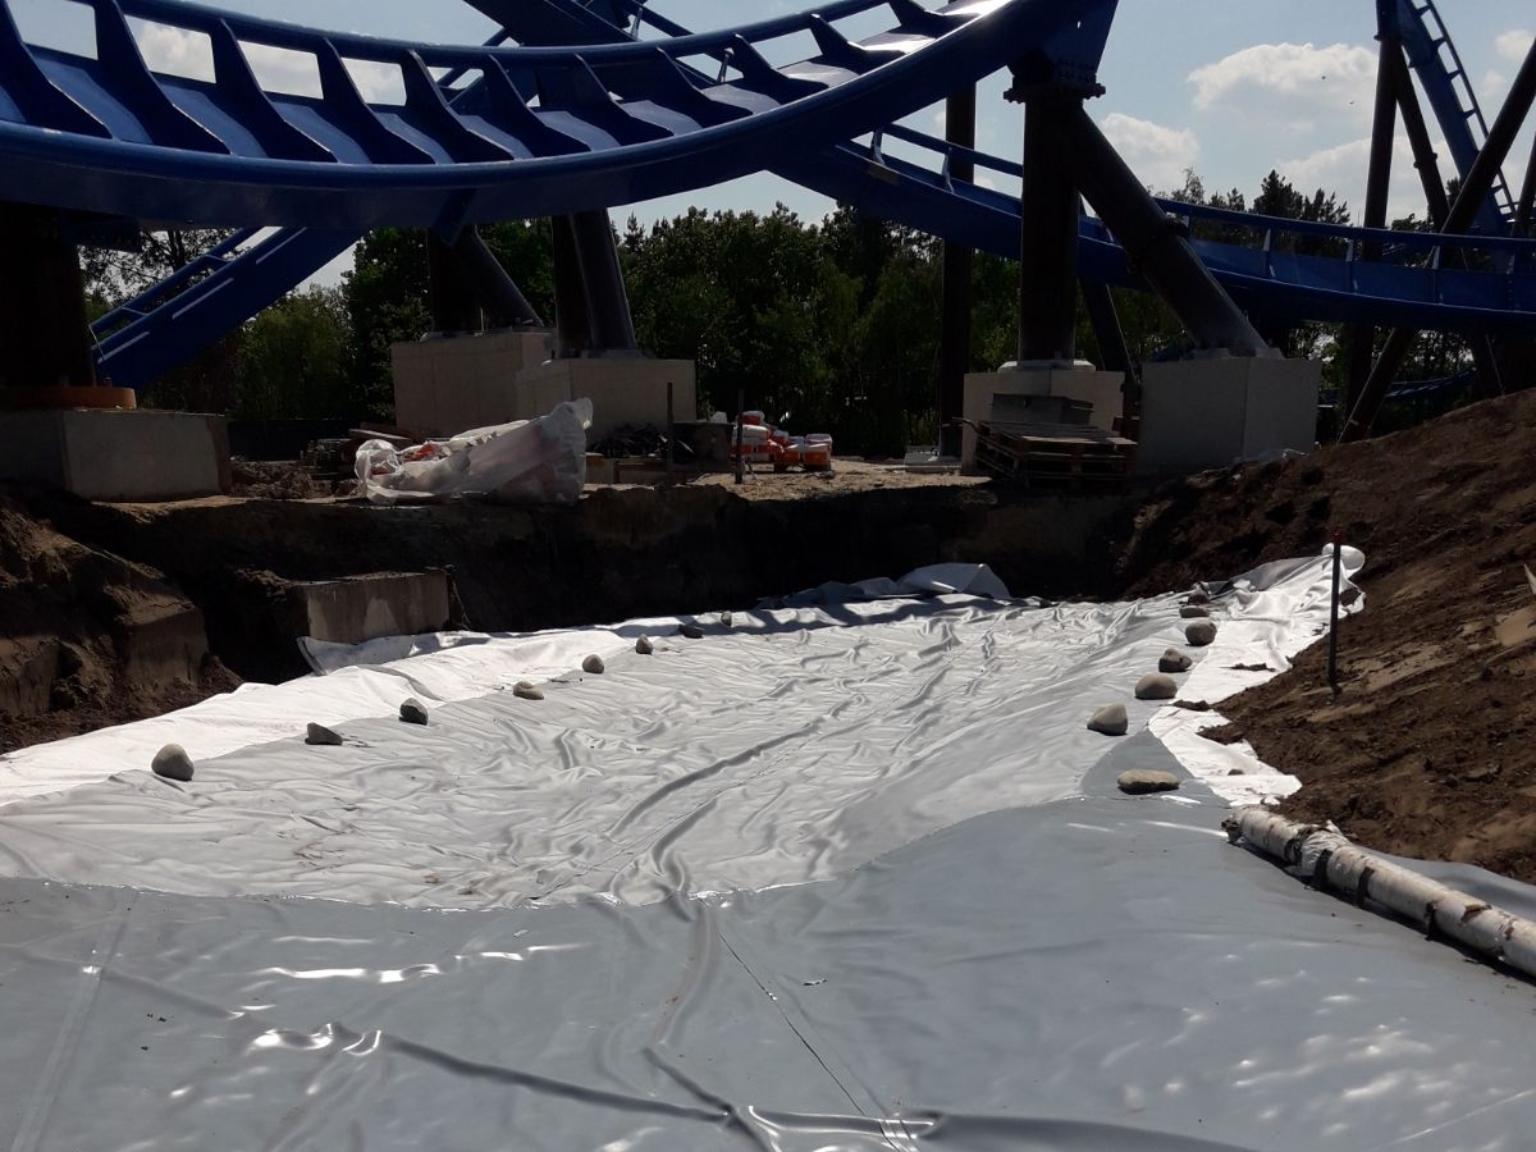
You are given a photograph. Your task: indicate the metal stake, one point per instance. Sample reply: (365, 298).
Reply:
(1333, 612)
(741, 402)
(671, 437)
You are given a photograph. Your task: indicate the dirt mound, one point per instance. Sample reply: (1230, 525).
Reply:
(88, 639)
(1425, 751)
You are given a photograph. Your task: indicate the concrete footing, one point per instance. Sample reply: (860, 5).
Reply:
(110, 454)
(447, 386)
(1209, 413)
(1101, 389)
(450, 385)
(361, 608)
(622, 391)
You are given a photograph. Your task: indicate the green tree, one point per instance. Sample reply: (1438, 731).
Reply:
(295, 360)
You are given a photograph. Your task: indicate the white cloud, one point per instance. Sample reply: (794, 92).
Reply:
(1515, 44)
(174, 51)
(1159, 155)
(1341, 169)
(180, 52)
(1338, 77)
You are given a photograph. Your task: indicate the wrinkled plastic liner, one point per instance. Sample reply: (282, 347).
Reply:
(844, 876)
(1096, 974)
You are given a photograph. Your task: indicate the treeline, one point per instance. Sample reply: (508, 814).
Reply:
(834, 322)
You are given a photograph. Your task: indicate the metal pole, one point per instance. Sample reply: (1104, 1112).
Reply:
(1333, 612)
(1362, 351)
(671, 438)
(741, 404)
(955, 309)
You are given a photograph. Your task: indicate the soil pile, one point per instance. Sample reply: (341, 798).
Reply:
(89, 639)
(1425, 751)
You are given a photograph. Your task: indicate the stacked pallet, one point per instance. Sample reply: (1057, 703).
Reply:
(1055, 457)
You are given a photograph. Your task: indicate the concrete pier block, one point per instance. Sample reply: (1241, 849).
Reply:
(1208, 413)
(360, 608)
(118, 455)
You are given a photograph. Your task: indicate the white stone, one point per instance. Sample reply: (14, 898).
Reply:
(527, 690)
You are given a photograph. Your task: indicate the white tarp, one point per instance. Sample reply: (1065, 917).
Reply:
(1001, 952)
(539, 461)
(790, 747)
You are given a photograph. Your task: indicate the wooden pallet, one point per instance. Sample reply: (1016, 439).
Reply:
(1055, 457)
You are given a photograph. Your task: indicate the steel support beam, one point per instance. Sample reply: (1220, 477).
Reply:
(573, 325)
(1048, 234)
(45, 339)
(1362, 348)
(1501, 137)
(1155, 246)
(498, 294)
(955, 307)
(1527, 207)
(450, 296)
(1425, 160)
(1114, 356)
(597, 255)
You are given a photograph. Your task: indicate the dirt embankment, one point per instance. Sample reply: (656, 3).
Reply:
(1426, 750)
(88, 639)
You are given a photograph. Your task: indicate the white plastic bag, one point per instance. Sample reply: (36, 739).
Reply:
(539, 461)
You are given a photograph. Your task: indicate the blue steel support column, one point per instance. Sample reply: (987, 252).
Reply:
(1362, 350)
(1155, 246)
(955, 327)
(45, 339)
(613, 328)
(1501, 137)
(1049, 213)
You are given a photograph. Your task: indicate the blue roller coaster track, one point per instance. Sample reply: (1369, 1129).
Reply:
(606, 102)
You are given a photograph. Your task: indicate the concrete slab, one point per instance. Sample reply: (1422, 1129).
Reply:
(361, 608)
(161, 641)
(1101, 389)
(622, 391)
(450, 385)
(1209, 413)
(117, 454)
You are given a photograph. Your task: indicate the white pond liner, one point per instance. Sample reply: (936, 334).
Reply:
(852, 876)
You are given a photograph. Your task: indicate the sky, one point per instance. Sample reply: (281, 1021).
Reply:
(1228, 88)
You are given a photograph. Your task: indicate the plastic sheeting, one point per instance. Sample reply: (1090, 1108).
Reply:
(799, 744)
(539, 461)
(840, 878)
(1100, 973)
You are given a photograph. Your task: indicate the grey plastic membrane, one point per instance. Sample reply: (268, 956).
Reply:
(1104, 973)
(843, 877)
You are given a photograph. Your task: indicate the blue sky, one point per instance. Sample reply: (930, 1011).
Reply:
(1231, 88)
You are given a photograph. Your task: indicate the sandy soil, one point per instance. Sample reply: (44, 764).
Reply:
(1426, 749)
